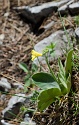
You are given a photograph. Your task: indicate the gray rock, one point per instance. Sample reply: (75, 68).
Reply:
(4, 85)
(28, 123)
(6, 14)
(18, 85)
(2, 36)
(77, 34)
(5, 123)
(61, 43)
(64, 9)
(36, 14)
(74, 8)
(13, 106)
(3, 97)
(48, 26)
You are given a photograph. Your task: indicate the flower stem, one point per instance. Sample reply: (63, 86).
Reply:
(52, 73)
(39, 64)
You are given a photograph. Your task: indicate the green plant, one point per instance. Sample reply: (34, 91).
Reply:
(76, 60)
(76, 20)
(53, 86)
(24, 109)
(35, 96)
(29, 73)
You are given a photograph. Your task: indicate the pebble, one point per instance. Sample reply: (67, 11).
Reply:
(77, 34)
(4, 85)
(5, 123)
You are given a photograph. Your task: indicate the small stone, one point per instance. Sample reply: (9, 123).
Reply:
(13, 106)
(2, 36)
(5, 123)
(18, 85)
(28, 123)
(6, 14)
(48, 26)
(4, 85)
(77, 34)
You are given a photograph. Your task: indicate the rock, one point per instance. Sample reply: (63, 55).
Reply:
(36, 14)
(13, 106)
(61, 41)
(2, 36)
(77, 34)
(4, 85)
(74, 8)
(5, 123)
(6, 14)
(28, 121)
(18, 85)
(64, 9)
(48, 26)
(2, 98)
(45, 28)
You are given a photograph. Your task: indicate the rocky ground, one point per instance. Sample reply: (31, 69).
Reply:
(19, 34)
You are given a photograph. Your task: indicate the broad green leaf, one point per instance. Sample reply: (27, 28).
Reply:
(47, 97)
(23, 67)
(44, 81)
(68, 66)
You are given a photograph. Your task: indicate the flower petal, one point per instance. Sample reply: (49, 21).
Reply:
(35, 54)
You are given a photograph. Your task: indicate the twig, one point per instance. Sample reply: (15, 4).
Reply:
(15, 28)
(18, 2)
(22, 35)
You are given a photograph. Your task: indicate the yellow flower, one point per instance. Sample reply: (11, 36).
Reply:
(35, 54)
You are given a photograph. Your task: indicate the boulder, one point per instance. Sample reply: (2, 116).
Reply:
(36, 14)
(60, 38)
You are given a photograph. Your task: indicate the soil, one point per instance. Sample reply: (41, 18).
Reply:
(16, 47)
